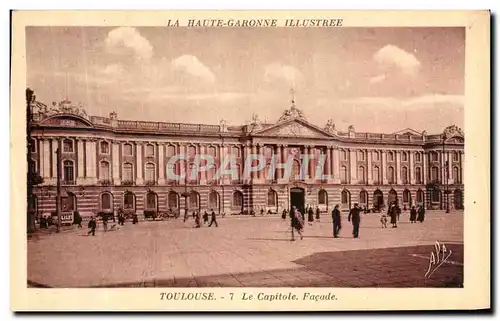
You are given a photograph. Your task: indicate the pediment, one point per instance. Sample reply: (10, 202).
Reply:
(294, 128)
(407, 132)
(66, 120)
(455, 140)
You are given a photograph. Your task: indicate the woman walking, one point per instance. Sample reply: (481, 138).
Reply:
(421, 214)
(413, 214)
(310, 216)
(297, 222)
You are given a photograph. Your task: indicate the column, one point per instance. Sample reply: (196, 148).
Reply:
(80, 177)
(161, 164)
(369, 169)
(398, 168)
(202, 150)
(222, 156)
(115, 154)
(336, 165)
(411, 170)
(90, 153)
(45, 159)
(462, 163)
(55, 143)
(181, 163)
(352, 166)
(261, 155)
(253, 148)
(327, 162)
(383, 169)
(311, 162)
(425, 169)
(138, 164)
(450, 168)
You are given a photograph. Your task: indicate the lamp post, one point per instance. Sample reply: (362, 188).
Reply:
(446, 177)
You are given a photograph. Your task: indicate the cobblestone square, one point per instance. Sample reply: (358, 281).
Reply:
(249, 252)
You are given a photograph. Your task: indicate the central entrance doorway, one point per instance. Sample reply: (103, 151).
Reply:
(297, 199)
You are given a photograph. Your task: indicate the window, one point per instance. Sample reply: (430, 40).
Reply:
(268, 152)
(150, 172)
(376, 174)
(404, 175)
(170, 150)
(33, 145)
(390, 157)
(405, 156)
(420, 196)
(272, 198)
(417, 157)
(211, 172)
(104, 148)
(322, 197)
(212, 151)
(406, 196)
(68, 171)
(455, 156)
(345, 197)
(343, 154)
(236, 152)
(237, 171)
(435, 174)
(361, 174)
(191, 151)
(436, 195)
(434, 156)
(213, 200)
(151, 201)
(127, 172)
(150, 150)
(106, 201)
(455, 175)
(238, 199)
(343, 174)
(127, 150)
(33, 166)
(418, 175)
(68, 146)
(390, 175)
(194, 199)
(68, 203)
(173, 200)
(104, 171)
(376, 156)
(363, 197)
(361, 155)
(129, 201)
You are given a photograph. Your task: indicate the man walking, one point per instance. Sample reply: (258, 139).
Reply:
(214, 220)
(92, 226)
(336, 221)
(354, 214)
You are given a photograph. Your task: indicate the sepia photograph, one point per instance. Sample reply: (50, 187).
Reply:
(280, 153)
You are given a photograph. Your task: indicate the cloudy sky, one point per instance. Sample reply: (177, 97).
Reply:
(377, 79)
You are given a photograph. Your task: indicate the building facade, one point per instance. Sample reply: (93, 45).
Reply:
(109, 163)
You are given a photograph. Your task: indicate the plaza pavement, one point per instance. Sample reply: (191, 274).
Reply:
(249, 252)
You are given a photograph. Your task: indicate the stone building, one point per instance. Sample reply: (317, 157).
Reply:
(109, 163)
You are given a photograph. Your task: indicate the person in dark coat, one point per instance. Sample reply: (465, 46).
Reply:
(318, 212)
(283, 215)
(205, 218)
(336, 221)
(105, 221)
(92, 226)
(413, 214)
(393, 214)
(421, 214)
(354, 213)
(398, 211)
(78, 219)
(214, 220)
(310, 215)
(297, 222)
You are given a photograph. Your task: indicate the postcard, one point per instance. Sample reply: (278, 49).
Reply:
(250, 160)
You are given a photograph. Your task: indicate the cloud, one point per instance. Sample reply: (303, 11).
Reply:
(391, 55)
(290, 74)
(132, 39)
(377, 79)
(424, 101)
(191, 65)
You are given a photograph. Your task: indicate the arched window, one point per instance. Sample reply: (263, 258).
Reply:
(236, 151)
(417, 157)
(361, 174)
(390, 175)
(68, 146)
(363, 197)
(173, 200)
(237, 199)
(434, 156)
(418, 175)
(151, 200)
(272, 198)
(390, 157)
(104, 147)
(68, 203)
(127, 149)
(405, 156)
(194, 200)
(361, 155)
(104, 171)
(343, 174)
(128, 174)
(295, 170)
(420, 196)
(404, 174)
(455, 156)
(406, 196)
(456, 178)
(343, 154)
(434, 173)
(171, 150)
(376, 156)
(345, 198)
(150, 150)
(106, 201)
(376, 175)
(213, 200)
(150, 173)
(392, 197)
(68, 171)
(129, 201)
(322, 197)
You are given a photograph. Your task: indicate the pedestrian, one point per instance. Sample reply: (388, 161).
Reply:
(261, 212)
(283, 215)
(318, 212)
(92, 226)
(78, 219)
(214, 220)
(105, 222)
(135, 219)
(356, 219)
(297, 222)
(413, 214)
(383, 220)
(421, 214)
(393, 214)
(336, 221)
(398, 211)
(310, 215)
(205, 218)
(194, 214)
(197, 220)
